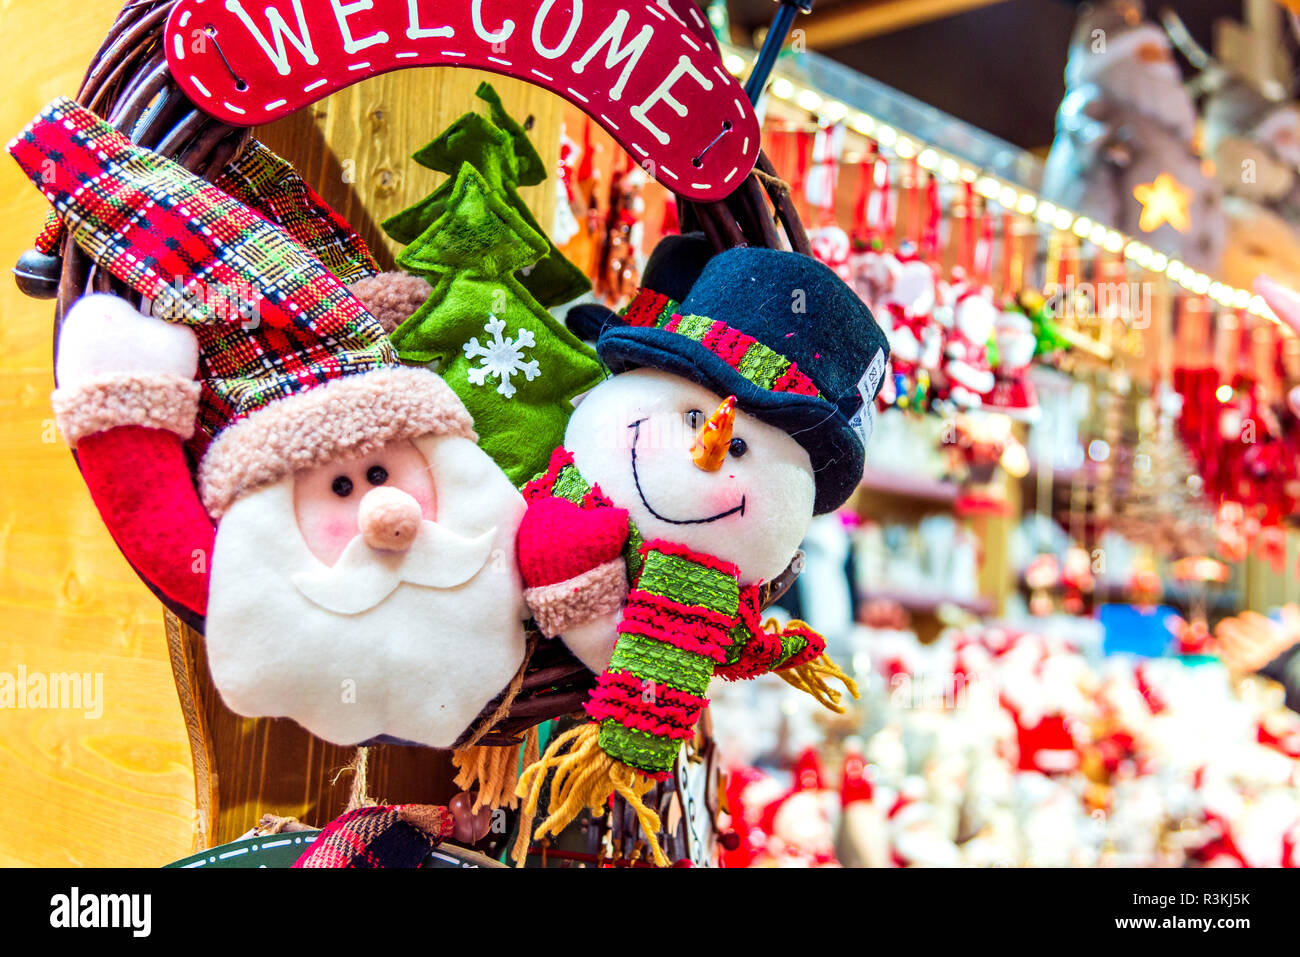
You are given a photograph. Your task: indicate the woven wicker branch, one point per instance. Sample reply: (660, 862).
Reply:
(130, 84)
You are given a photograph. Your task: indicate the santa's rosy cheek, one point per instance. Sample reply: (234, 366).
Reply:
(337, 532)
(407, 470)
(327, 524)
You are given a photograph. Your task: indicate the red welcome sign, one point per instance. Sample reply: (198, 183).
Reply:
(636, 69)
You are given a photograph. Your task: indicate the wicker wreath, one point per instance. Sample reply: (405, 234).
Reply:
(130, 85)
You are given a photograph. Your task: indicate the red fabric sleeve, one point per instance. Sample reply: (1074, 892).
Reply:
(140, 482)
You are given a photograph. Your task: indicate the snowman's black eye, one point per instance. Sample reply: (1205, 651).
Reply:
(738, 448)
(376, 475)
(695, 418)
(342, 486)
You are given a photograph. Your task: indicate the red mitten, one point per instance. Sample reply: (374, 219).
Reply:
(559, 540)
(571, 562)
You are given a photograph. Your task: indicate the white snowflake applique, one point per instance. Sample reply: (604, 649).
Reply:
(501, 357)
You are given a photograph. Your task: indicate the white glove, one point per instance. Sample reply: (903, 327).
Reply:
(118, 367)
(104, 335)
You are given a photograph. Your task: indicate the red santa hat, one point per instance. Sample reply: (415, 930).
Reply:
(293, 371)
(855, 780)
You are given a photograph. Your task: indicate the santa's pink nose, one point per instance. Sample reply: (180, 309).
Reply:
(389, 518)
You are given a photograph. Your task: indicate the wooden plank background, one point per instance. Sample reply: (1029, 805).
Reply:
(74, 788)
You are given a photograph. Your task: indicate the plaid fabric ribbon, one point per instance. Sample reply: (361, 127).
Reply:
(398, 835)
(51, 235)
(270, 185)
(271, 320)
(758, 363)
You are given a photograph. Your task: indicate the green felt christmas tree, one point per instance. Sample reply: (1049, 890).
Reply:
(496, 146)
(513, 365)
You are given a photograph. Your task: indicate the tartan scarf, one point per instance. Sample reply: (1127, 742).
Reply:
(268, 184)
(205, 259)
(372, 836)
(687, 618)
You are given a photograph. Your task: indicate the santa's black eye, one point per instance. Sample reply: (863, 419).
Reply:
(376, 475)
(695, 418)
(737, 448)
(342, 486)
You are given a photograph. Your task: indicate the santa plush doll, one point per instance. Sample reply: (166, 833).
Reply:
(907, 310)
(1254, 140)
(874, 272)
(863, 837)
(831, 245)
(350, 545)
(966, 354)
(1124, 134)
(1013, 391)
(687, 481)
(801, 824)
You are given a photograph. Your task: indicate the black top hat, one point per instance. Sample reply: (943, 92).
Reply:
(787, 337)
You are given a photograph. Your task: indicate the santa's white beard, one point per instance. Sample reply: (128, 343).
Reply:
(1152, 93)
(362, 576)
(418, 664)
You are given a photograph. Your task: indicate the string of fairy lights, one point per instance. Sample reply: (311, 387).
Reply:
(1009, 196)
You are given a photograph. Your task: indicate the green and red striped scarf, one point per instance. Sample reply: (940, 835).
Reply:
(687, 618)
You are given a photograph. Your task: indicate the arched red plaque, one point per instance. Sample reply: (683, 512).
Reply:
(637, 70)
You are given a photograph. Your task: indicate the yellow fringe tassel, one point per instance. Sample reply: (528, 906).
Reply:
(585, 776)
(811, 677)
(491, 771)
(519, 853)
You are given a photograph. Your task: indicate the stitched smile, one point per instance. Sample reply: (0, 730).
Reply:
(636, 437)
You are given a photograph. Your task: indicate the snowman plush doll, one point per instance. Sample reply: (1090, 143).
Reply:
(687, 480)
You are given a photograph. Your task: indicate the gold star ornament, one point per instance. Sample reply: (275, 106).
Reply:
(1163, 201)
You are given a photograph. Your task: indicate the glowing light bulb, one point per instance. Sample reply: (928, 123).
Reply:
(809, 100)
(833, 111)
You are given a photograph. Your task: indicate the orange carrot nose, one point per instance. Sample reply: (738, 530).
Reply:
(709, 449)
